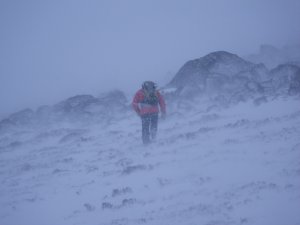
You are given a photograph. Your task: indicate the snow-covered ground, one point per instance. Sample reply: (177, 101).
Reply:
(239, 165)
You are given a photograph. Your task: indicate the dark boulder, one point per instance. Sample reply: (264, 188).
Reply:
(219, 73)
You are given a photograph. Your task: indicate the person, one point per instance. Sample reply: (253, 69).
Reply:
(147, 103)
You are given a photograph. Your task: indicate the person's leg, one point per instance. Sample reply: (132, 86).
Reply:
(145, 129)
(153, 125)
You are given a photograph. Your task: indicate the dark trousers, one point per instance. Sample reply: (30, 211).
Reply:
(149, 127)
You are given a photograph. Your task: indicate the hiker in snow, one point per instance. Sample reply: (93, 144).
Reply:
(146, 103)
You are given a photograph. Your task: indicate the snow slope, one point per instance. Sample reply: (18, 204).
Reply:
(209, 165)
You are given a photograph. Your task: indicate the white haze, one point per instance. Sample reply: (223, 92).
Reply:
(51, 50)
(229, 157)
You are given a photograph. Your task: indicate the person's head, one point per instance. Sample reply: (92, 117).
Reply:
(149, 86)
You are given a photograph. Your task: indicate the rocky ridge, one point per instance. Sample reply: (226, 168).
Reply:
(79, 108)
(225, 75)
(222, 77)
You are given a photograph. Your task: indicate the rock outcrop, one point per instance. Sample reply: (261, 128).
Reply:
(223, 75)
(80, 108)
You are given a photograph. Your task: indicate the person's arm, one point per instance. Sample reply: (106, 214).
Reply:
(135, 102)
(162, 104)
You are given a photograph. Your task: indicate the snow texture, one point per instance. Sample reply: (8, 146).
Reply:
(210, 165)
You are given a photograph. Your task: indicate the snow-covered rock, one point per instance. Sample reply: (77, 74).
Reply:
(24, 117)
(86, 107)
(228, 77)
(219, 73)
(80, 108)
(286, 79)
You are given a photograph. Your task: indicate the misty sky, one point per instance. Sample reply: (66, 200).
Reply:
(51, 50)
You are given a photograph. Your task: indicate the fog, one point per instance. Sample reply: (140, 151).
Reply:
(50, 50)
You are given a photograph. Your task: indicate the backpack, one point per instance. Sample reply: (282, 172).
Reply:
(149, 89)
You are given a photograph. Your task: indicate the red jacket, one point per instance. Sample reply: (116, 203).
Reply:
(143, 108)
